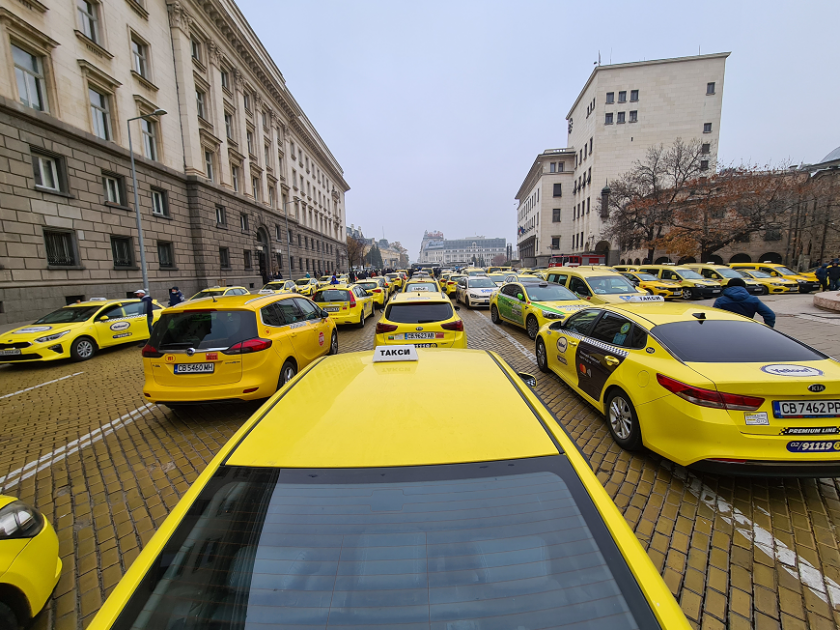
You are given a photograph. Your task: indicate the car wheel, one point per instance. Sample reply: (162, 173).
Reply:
(687, 294)
(764, 290)
(623, 421)
(287, 372)
(542, 356)
(494, 315)
(469, 302)
(334, 343)
(648, 291)
(362, 319)
(82, 349)
(8, 619)
(532, 327)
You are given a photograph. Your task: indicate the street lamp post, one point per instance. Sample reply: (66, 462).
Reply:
(288, 236)
(157, 112)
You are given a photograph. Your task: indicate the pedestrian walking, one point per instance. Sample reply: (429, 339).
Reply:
(833, 275)
(333, 280)
(307, 275)
(147, 307)
(822, 275)
(736, 299)
(175, 296)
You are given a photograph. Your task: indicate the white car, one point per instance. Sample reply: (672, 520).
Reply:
(475, 291)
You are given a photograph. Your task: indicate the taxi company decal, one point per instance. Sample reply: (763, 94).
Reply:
(119, 326)
(562, 359)
(320, 339)
(32, 329)
(562, 344)
(650, 350)
(810, 431)
(122, 335)
(785, 369)
(821, 446)
(169, 358)
(394, 353)
(756, 418)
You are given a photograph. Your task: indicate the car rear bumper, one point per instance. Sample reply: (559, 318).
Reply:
(460, 341)
(245, 389)
(768, 468)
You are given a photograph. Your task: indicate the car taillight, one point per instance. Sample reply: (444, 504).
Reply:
(352, 300)
(151, 353)
(459, 326)
(377, 290)
(250, 345)
(710, 397)
(384, 328)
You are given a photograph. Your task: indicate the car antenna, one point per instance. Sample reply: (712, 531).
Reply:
(700, 316)
(214, 298)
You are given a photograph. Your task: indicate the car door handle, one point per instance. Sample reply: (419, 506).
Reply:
(572, 342)
(611, 361)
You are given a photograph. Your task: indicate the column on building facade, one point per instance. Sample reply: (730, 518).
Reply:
(179, 24)
(214, 55)
(242, 121)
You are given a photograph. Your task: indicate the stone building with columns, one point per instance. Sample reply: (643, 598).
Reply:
(234, 182)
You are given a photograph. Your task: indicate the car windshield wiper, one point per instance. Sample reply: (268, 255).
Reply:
(428, 321)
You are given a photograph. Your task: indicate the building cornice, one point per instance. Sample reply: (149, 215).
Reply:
(535, 172)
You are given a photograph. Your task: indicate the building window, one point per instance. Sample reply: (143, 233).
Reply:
(140, 57)
(229, 125)
(47, 172)
(29, 72)
(61, 248)
(706, 148)
(558, 190)
(122, 250)
(160, 203)
(199, 103)
(555, 242)
(195, 48)
(707, 127)
(290, 237)
(610, 98)
(704, 165)
(620, 120)
(225, 79)
(224, 257)
(634, 115)
(770, 235)
(608, 119)
(243, 222)
(88, 19)
(622, 97)
(278, 233)
(556, 215)
(234, 174)
(266, 154)
(208, 164)
(114, 192)
(255, 186)
(300, 240)
(221, 216)
(710, 88)
(100, 112)
(634, 96)
(249, 137)
(166, 256)
(246, 99)
(271, 196)
(561, 167)
(246, 254)
(149, 130)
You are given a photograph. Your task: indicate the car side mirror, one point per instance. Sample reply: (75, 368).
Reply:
(529, 379)
(520, 297)
(104, 318)
(457, 308)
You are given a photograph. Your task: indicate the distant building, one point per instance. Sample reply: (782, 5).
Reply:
(477, 250)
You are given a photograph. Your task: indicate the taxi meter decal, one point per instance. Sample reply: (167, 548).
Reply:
(394, 353)
(814, 446)
(784, 369)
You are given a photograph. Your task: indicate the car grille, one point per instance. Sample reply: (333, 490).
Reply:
(19, 345)
(20, 357)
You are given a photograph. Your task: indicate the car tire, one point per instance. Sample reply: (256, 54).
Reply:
(287, 372)
(542, 356)
(82, 349)
(648, 291)
(764, 290)
(362, 319)
(494, 315)
(688, 294)
(623, 421)
(469, 302)
(532, 327)
(333, 343)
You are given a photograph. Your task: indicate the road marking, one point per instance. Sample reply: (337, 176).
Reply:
(528, 354)
(798, 567)
(34, 467)
(29, 389)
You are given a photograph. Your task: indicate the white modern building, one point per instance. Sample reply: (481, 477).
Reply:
(622, 110)
(471, 250)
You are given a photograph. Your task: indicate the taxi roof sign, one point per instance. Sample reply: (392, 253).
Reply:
(642, 298)
(394, 353)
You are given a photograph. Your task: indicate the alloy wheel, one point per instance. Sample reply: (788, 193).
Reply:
(621, 418)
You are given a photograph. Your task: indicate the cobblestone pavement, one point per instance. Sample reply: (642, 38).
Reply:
(106, 469)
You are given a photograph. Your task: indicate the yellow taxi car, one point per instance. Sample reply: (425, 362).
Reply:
(530, 304)
(278, 286)
(422, 284)
(652, 285)
(451, 284)
(422, 319)
(768, 283)
(701, 386)
(694, 285)
(218, 291)
(346, 304)
(504, 270)
(78, 330)
(379, 294)
(234, 348)
(595, 284)
(324, 280)
(522, 277)
(446, 519)
(29, 563)
(306, 286)
(395, 279)
(723, 274)
(473, 271)
(497, 278)
(806, 283)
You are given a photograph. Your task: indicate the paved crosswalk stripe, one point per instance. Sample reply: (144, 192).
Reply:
(29, 389)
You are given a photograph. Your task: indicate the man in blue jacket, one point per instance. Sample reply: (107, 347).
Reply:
(737, 299)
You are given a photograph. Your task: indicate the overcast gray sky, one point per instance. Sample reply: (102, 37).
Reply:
(436, 110)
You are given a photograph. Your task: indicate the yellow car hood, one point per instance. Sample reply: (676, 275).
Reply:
(36, 331)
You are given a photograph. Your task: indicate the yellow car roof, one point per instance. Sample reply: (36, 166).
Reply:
(657, 313)
(592, 270)
(247, 302)
(102, 302)
(425, 296)
(341, 430)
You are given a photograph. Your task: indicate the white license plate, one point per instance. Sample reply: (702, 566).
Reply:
(715, 290)
(806, 408)
(425, 345)
(427, 335)
(195, 368)
(9, 352)
(332, 309)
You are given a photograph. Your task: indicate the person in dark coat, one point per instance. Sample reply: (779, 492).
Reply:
(822, 275)
(736, 299)
(833, 273)
(175, 296)
(146, 299)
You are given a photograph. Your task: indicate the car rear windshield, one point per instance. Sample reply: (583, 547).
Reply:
(419, 312)
(716, 341)
(419, 286)
(203, 329)
(209, 292)
(550, 293)
(69, 315)
(499, 545)
(332, 295)
(368, 286)
(481, 283)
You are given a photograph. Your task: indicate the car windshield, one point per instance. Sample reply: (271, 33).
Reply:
(203, 329)
(785, 271)
(755, 274)
(646, 277)
(610, 285)
(419, 312)
(331, 295)
(69, 315)
(494, 545)
(551, 293)
(325, 278)
(302, 281)
(721, 341)
(726, 272)
(455, 278)
(687, 274)
(481, 283)
(419, 286)
(274, 285)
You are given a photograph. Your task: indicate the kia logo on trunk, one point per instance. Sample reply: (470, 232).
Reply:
(816, 387)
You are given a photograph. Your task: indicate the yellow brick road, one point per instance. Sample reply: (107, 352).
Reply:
(106, 470)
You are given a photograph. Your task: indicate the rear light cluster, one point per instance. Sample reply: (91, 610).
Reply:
(251, 345)
(710, 397)
(352, 300)
(459, 326)
(384, 328)
(150, 352)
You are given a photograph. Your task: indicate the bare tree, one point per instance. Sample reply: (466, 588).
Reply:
(498, 260)
(356, 251)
